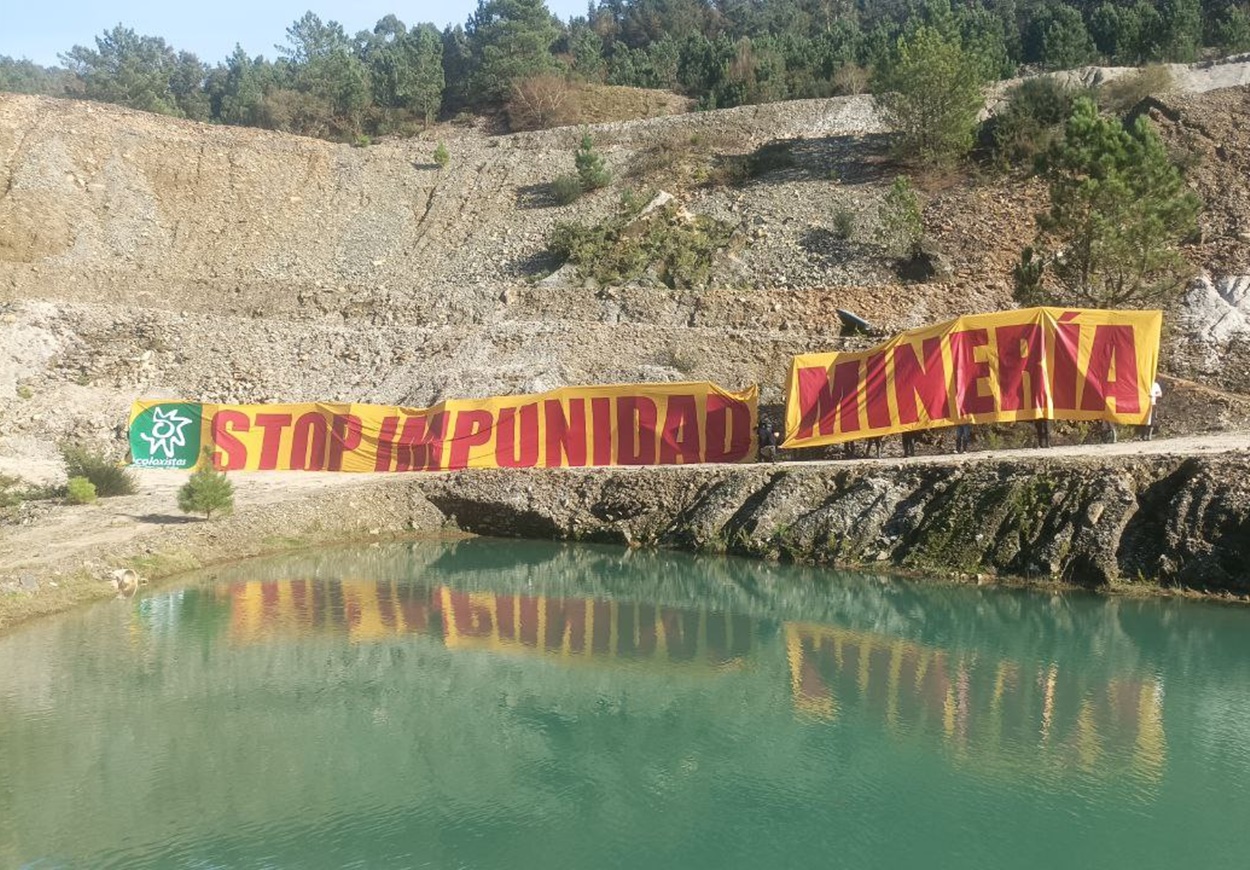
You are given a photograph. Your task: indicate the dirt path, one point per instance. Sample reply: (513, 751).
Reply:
(60, 531)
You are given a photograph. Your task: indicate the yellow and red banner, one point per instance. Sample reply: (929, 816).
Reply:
(1030, 364)
(630, 424)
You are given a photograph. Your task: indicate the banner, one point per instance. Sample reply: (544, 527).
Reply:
(1030, 364)
(631, 424)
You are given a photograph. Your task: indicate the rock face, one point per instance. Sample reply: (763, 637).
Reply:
(1092, 523)
(1216, 317)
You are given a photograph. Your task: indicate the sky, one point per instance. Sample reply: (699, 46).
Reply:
(39, 30)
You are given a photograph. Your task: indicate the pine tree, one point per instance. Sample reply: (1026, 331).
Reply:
(206, 491)
(1118, 209)
(591, 170)
(931, 95)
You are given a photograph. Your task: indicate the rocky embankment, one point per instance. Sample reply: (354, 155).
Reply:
(1094, 523)
(1109, 521)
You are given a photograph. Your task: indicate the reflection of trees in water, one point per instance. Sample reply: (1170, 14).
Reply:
(177, 708)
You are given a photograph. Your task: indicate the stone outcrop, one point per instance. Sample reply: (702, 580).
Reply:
(1183, 521)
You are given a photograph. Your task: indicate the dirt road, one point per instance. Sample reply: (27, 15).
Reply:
(57, 532)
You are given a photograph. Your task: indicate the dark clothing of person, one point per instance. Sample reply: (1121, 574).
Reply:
(768, 440)
(963, 437)
(909, 443)
(1042, 427)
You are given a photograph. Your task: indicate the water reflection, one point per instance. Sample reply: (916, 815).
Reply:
(986, 708)
(518, 704)
(982, 706)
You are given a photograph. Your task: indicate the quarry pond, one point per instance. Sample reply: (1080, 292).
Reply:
(486, 703)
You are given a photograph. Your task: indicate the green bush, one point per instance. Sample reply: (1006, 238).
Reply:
(9, 494)
(770, 157)
(677, 247)
(441, 155)
(79, 490)
(109, 478)
(901, 219)
(1032, 119)
(206, 492)
(566, 189)
(592, 172)
(843, 224)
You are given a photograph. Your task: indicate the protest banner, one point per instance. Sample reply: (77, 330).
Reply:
(1030, 364)
(628, 424)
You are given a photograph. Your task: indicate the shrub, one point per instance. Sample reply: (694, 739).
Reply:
(850, 79)
(770, 157)
(9, 495)
(1032, 119)
(206, 492)
(1125, 92)
(901, 220)
(79, 490)
(441, 157)
(540, 101)
(109, 478)
(676, 246)
(566, 189)
(843, 223)
(591, 170)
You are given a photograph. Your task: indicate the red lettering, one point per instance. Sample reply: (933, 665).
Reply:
(566, 436)
(386, 444)
(235, 451)
(1021, 352)
(344, 438)
(308, 442)
(507, 454)
(876, 396)
(420, 446)
(601, 412)
(1067, 346)
(927, 381)
(471, 620)
(635, 430)
(273, 424)
(473, 428)
(566, 617)
(969, 372)
(829, 400)
(528, 620)
(728, 420)
(1114, 351)
(679, 439)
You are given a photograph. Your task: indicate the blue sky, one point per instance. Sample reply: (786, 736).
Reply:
(40, 29)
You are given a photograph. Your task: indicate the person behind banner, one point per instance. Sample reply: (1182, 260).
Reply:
(963, 437)
(909, 443)
(769, 439)
(1042, 429)
(1145, 432)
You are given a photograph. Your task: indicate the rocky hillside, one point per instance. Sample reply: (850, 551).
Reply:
(141, 255)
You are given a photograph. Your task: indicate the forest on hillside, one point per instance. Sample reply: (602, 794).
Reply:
(514, 58)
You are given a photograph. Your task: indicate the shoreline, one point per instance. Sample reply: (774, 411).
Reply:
(1171, 524)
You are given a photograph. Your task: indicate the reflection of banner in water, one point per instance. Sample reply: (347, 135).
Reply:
(363, 611)
(979, 709)
(581, 628)
(573, 628)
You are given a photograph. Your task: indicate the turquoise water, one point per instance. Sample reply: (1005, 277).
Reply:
(513, 704)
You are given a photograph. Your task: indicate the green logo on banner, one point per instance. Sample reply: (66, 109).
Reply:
(166, 436)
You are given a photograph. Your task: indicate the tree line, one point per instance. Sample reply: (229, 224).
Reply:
(324, 81)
